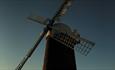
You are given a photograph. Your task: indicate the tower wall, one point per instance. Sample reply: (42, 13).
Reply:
(58, 56)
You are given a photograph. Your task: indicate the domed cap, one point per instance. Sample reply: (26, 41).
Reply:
(61, 27)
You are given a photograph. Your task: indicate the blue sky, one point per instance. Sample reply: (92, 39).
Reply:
(94, 19)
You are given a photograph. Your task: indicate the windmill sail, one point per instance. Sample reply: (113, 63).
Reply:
(85, 46)
(39, 19)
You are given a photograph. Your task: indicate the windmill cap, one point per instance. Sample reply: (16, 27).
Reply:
(61, 27)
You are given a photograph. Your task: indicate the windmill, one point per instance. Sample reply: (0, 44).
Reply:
(61, 42)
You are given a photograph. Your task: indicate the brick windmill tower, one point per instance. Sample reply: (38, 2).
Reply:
(61, 42)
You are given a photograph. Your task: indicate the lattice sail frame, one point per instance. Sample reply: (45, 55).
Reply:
(85, 46)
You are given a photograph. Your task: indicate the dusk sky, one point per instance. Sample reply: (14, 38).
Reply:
(94, 19)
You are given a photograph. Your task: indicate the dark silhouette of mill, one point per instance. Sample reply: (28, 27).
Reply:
(59, 52)
(61, 44)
